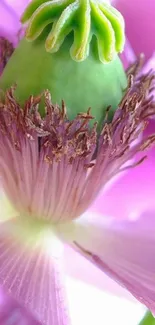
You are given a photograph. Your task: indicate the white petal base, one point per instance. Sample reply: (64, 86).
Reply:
(30, 270)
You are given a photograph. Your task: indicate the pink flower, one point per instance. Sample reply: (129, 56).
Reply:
(116, 234)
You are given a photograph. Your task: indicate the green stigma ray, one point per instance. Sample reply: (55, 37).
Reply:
(84, 18)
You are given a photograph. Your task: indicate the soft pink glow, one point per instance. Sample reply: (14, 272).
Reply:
(140, 27)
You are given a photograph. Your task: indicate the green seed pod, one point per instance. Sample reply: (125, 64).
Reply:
(70, 48)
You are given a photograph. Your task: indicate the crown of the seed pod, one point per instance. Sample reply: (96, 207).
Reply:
(85, 18)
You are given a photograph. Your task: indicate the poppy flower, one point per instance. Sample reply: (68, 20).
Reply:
(56, 163)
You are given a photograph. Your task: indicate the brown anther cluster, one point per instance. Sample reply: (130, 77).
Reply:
(6, 50)
(58, 137)
(55, 133)
(136, 67)
(131, 118)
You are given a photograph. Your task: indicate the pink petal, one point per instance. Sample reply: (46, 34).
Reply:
(140, 26)
(12, 313)
(10, 12)
(126, 198)
(123, 250)
(17, 5)
(9, 21)
(129, 186)
(128, 55)
(30, 270)
(94, 278)
(132, 193)
(150, 64)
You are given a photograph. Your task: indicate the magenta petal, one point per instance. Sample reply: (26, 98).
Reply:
(150, 64)
(30, 271)
(123, 250)
(132, 193)
(17, 5)
(140, 26)
(128, 56)
(9, 21)
(14, 314)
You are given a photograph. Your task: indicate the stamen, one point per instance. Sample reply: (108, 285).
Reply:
(136, 67)
(47, 164)
(116, 143)
(6, 50)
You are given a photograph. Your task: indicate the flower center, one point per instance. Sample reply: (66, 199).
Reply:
(47, 165)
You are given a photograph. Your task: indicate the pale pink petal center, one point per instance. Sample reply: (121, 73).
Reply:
(31, 270)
